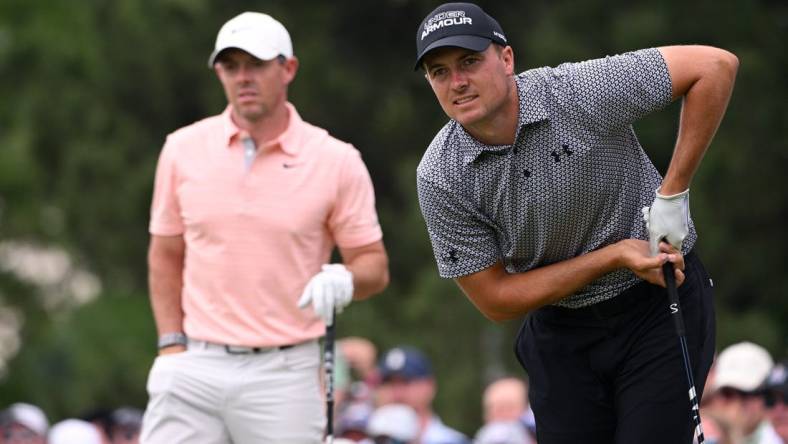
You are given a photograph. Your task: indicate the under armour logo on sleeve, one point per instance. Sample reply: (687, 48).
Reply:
(451, 256)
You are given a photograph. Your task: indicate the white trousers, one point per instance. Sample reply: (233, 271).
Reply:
(208, 396)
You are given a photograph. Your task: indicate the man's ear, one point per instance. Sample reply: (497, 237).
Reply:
(507, 55)
(291, 68)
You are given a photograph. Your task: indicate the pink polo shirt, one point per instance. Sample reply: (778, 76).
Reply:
(254, 238)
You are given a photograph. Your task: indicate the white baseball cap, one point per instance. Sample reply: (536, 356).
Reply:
(30, 416)
(503, 432)
(397, 421)
(742, 366)
(73, 431)
(256, 33)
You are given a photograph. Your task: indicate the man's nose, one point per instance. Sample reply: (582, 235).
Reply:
(244, 73)
(459, 79)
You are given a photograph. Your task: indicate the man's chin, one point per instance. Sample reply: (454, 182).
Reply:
(467, 119)
(249, 113)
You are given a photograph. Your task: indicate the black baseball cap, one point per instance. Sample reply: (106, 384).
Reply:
(406, 363)
(463, 25)
(778, 379)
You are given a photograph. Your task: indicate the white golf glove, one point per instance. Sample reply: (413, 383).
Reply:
(329, 291)
(667, 218)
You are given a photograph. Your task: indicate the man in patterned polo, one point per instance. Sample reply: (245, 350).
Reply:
(534, 195)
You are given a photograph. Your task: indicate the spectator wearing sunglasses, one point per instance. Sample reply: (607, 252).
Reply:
(736, 401)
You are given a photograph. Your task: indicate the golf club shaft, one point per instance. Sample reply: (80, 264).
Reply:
(328, 362)
(675, 311)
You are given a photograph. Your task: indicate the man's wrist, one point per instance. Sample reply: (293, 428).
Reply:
(668, 194)
(616, 254)
(171, 339)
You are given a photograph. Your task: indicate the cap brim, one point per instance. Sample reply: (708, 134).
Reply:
(472, 42)
(260, 53)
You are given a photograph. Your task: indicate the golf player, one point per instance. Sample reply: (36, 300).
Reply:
(247, 208)
(533, 195)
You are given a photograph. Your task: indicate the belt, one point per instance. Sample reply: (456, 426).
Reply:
(237, 349)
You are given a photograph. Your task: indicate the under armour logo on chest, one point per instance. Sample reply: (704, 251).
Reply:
(565, 151)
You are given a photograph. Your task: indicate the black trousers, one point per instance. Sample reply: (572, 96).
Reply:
(613, 372)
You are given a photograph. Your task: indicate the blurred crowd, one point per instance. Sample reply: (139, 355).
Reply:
(388, 399)
(23, 423)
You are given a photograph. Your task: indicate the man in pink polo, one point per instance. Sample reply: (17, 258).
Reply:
(247, 208)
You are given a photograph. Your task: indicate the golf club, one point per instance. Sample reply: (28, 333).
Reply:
(675, 311)
(328, 362)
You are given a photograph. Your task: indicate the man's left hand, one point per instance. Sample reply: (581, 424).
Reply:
(329, 291)
(667, 219)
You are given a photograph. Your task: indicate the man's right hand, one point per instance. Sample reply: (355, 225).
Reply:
(635, 255)
(329, 291)
(171, 350)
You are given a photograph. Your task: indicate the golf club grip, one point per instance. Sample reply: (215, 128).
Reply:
(328, 362)
(673, 296)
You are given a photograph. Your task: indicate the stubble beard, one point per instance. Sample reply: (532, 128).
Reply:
(252, 114)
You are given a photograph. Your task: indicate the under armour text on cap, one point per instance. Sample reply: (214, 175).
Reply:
(463, 25)
(256, 33)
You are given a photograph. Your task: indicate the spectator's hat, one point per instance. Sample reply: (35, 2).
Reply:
(73, 431)
(127, 416)
(258, 34)
(397, 421)
(503, 432)
(27, 415)
(406, 363)
(354, 416)
(742, 366)
(777, 380)
(127, 420)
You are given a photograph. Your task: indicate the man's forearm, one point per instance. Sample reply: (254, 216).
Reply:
(703, 107)
(165, 279)
(165, 297)
(370, 273)
(370, 267)
(501, 296)
(508, 296)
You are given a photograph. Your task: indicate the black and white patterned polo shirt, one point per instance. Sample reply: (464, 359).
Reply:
(574, 181)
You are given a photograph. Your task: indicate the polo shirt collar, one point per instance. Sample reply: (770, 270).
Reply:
(532, 110)
(289, 141)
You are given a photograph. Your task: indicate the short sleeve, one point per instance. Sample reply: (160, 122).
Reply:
(616, 91)
(462, 243)
(166, 219)
(353, 221)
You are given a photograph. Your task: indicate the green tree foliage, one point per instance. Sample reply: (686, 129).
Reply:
(90, 89)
